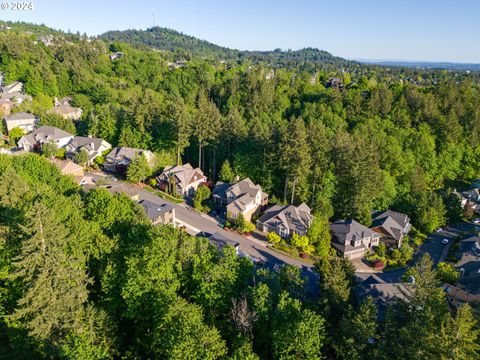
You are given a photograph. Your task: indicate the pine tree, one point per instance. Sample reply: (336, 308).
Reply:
(226, 173)
(54, 278)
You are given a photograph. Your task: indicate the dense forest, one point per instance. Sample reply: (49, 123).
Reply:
(86, 275)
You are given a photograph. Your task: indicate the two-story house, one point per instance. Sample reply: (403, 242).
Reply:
(182, 180)
(352, 239)
(163, 214)
(42, 135)
(67, 112)
(242, 197)
(22, 120)
(286, 220)
(120, 157)
(94, 147)
(392, 226)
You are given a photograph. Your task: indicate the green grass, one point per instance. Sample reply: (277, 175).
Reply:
(290, 251)
(164, 195)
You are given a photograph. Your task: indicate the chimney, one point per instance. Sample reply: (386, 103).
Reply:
(237, 178)
(89, 136)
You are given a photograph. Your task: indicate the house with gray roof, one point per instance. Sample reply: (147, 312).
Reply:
(42, 135)
(163, 214)
(181, 179)
(467, 288)
(392, 226)
(352, 239)
(120, 157)
(286, 220)
(16, 86)
(22, 120)
(16, 97)
(94, 147)
(470, 197)
(242, 197)
(383, 293)
(66, 111)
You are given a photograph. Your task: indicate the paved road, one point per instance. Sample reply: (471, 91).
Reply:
(204, 225)
(432, 246)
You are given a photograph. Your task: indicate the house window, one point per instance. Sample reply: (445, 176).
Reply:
(283, 232)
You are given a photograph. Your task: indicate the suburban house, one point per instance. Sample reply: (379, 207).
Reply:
(176, 65)
(68, 167)
(66, 111)
(336, 83)
(120, 157)
(353, 239)
(469, 197)
(63, 101)
(22, 120)
(392, 226)
(42, 135)
(185, 178)
(92, 146)
(15, 97)
(16, 86)
(124, 189)
(467, 288)
(243, 197)
(286, 220)
(163, 214)
(383, 293)
(6, 106)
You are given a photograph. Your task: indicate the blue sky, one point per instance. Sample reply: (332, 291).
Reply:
(431, 30)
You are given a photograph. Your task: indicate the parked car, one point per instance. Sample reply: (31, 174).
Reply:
(476, 221)
(439, 229)
(445, 241)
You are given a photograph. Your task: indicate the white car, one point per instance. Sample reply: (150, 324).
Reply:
(476, 221)
(439, 230)
(445, 241)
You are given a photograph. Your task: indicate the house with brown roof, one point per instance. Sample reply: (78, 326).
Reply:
(6, 106)
(352, 239)
(242, 197)
(286, 220)
(392, 226)
(181, 179)
(69, 168)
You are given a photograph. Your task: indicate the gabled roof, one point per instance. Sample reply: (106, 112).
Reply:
(19, 116)
(243, 193)
(290, 217)
(16, 95)
(46, 133)
(344, 231)
(63, 110)
(123, 152)
(185, 174)
(394, 223)
(9, 87)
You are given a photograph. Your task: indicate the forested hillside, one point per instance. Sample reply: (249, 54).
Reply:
(85, 276)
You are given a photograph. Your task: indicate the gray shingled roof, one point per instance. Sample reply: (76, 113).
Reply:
(290, 217)
(46, 133)
(19, 116)
(154, 210)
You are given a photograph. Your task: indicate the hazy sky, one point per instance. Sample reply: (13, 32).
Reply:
(437, 30)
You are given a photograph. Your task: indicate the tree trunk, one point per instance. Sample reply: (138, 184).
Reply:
(200, 154)
(285, 189)
(178, 155)
(293, 190)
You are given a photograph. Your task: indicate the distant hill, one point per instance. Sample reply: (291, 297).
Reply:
(424, 64)
(189, 46)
